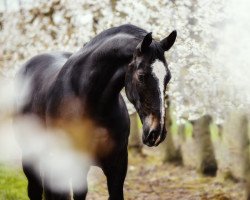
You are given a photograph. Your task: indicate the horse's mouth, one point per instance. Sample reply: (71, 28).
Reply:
(154, 139)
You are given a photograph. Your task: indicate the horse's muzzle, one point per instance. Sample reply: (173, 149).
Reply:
(153, 137)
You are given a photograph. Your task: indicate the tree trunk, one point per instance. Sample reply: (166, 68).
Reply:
(235, 142)
(246, 156)
(173, 150)
(207, 164)
(135, 136)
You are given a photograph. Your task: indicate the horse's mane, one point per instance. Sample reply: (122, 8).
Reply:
(126, 28)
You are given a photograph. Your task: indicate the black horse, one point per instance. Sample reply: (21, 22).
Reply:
(84, 88)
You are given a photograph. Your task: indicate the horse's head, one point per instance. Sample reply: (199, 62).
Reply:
(146, 81)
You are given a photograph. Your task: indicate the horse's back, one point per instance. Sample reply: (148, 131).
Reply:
(44, 61)
(37, 76)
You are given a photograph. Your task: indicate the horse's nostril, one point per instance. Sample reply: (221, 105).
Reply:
(152, 136)
(153, 133)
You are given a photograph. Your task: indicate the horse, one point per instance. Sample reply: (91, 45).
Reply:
(68, 89)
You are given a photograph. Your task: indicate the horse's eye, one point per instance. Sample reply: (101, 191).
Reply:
(140, 66)
(141, 78)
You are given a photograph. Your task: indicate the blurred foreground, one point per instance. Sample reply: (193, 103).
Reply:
(147, 179)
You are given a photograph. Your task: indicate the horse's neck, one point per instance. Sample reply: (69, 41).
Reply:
(104, 75)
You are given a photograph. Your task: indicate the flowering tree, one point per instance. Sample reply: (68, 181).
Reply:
(200, 60)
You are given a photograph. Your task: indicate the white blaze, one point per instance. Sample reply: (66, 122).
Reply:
(159, 72)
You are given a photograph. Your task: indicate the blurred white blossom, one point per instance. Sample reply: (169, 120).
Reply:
(208, 63)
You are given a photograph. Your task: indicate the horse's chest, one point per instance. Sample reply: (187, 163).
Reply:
(84, 134)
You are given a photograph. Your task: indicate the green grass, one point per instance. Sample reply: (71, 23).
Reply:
(139, 121)
(188, 129)
(174, 125)
(13, 184)
(214, 130)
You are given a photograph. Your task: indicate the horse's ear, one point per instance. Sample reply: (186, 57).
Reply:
(168, 42)
(143, 46)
